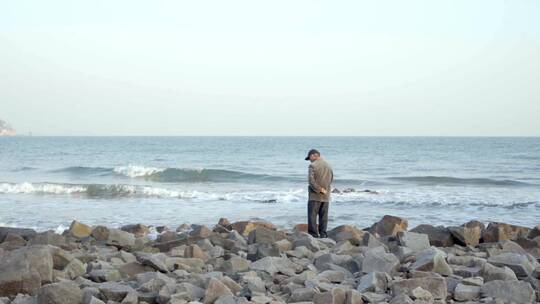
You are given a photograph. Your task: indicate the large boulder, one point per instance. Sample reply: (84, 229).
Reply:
(346, 233)
(496, 232)
(389, 226)
(439, 236)
(65, 292)
(415, 241)
(373, 282)
(519, 263)
(432, 259)
(377, 259)
(468, 234)
(464, 292)
(518, 292)
(24, 270)
(121, 239)
(491, 273)
(263, 235)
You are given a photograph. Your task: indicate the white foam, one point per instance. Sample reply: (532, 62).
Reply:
(26, 187)
(137, 171)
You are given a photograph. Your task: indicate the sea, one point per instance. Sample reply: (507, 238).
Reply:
(47, 182)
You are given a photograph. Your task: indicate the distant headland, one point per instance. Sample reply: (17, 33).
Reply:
(6, 129)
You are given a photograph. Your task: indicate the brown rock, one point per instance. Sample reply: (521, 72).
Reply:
(262, 235)
(496, 232)
(346, 233)
(215, 290)
(60, 293)
(245, 227)
(468, 234)
(79, 230)
(389, 226)
(138, 230)
(439, 236)
(300, 228)
(100, 233)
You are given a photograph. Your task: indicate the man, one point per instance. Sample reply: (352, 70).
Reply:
(320, 177)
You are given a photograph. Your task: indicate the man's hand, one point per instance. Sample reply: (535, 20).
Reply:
(323, 191)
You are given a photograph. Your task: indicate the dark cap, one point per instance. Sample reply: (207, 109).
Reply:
(312, 151)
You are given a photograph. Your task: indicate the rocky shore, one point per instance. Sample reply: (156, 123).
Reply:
(255, 262)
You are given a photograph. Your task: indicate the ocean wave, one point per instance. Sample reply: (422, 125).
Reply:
(174, 175)
(454, 181)
(40, 188)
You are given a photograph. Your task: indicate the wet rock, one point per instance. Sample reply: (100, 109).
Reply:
(496, 232)
(438, 236)
(389, 226)
(79, 230)
(509, 291)
(432, 259)
(468, 234)
(60, 293)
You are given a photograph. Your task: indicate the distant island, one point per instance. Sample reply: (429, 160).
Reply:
(6, 129)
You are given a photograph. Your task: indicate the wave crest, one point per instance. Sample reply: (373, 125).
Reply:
(448, 180)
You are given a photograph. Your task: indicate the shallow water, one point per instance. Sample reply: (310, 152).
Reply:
(45, 182)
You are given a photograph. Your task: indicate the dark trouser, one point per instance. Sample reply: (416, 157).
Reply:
(321, 209)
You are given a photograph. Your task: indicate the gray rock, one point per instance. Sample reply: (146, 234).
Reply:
(302, 295)
(415, 241)
(235, 265)
(491, 273)
(432, 259)
(436, 286)
(510, 291)
(60, 293)
(113, 291)
(121, 239)
(439, 236)
(373, 282)
(273, 265)
(333, 296)
(353, 297)
(262, 235)
(24, 270)
(465, 292)
(25, 233)
(20, 299)
(519, 263)
(421, 294)
(377, 259)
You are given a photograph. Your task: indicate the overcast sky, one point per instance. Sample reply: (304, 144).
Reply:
(271, 67)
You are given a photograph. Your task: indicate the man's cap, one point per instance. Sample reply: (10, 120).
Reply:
(312, 151)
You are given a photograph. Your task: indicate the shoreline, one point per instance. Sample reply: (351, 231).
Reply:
(258, 262)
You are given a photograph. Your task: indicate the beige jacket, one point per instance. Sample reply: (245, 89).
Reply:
(320, 176)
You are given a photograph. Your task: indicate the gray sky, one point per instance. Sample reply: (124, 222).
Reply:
(271, 67)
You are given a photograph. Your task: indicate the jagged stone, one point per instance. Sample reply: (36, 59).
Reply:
(347, 233)
(245, 227)
(432, 259)
(215, 290)
(468, 234)
(262, 235)
(333, 296)
(273, 265)
(465, 292)
(373, 282)
(138, 230)
(120, 238)
(436, 286)
(100, 233)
